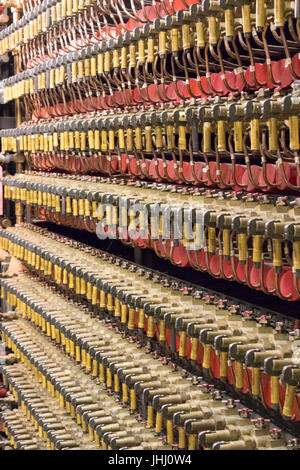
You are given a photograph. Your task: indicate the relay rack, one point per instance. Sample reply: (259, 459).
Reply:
(171, 128)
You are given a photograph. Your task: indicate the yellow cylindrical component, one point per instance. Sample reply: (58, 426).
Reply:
(101, 373)
(132, 55)
(70, 139)
(75, 6)
(242, 246)
(57, 203)
(97, 140)
(58, 12)
(69, 8)
(174, 40)
(102, 302)
(116, 383)
(294, 132)
(82, 287)
(273, 135)
(33, 143)
(211, 240)
(277, 252)
(123, 314)
(91, 433)
(200, 36)
(72, 348)
(194, 349)
(162, 331)
(158, 137)
(82, 141)
(238, 136)
(116, 60)
(150, 417)
(58, 275)
(50, 143)
(68, 205)
(229, 22)
(124, 393)
(138, 138)
(104, 141)
(121, 136)
(124, 58)
(57, 77)
(170, 136)
(158, 422)
(186, 36)
(170, 432)
(239, 375)
(132, 400)
(279, 12)
(212, 30)
(91, 139)
(141, 51)
(131, 319)
(256, 381)
(182, 137)
(206, 137)
(181, 437)
(52, 78)
(255, 134)
(87, 68)
(94, 295)
(221, 136)
(94, 209)
(94, 368)
(129, 139)
(77, 139)
(246, 14)
(108, 378)
(226, 242)
(80, 70)
(162, 50)
(65, 277)
(107, 65)
(296, 255)
(148, 139)
(274, 389)
(192, 442)
(55, 140)
(77, 354)
(117, 308)
(88, 291)
(111, 140)
(223, 363)
(290, 393)
(97, 440)
(260, 13)
(150, 50)
(93, 66)
(61, 77)
(110, 303)
(100, 64)
(150, 327)
(141, 318)
(71, 281)
(206, 356)
(75, 207)
(257, 248)
(182, 344)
